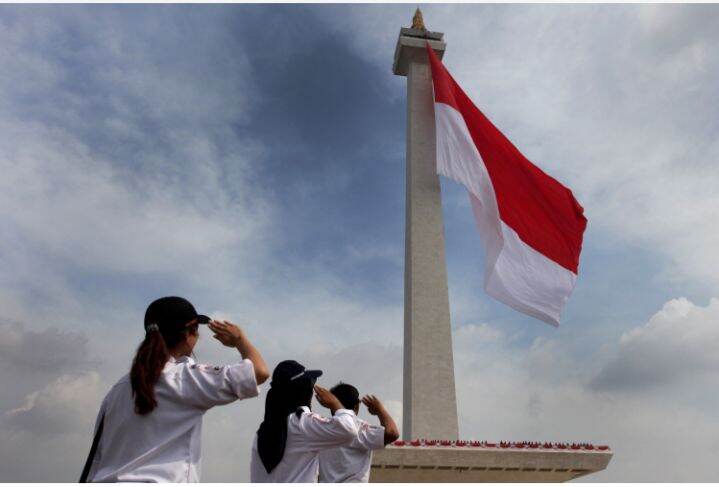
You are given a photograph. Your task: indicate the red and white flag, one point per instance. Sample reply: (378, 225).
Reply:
(530, 224)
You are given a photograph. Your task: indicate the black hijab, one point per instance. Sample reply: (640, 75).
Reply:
(290, 389)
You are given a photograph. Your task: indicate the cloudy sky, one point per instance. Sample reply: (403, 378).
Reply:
(251, 158)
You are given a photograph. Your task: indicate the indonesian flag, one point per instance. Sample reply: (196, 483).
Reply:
(530, 224)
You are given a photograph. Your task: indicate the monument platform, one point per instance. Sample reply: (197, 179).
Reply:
(475, 461)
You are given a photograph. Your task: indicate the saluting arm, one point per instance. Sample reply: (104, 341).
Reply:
(323, 433)
(233, 336)
(376, 408)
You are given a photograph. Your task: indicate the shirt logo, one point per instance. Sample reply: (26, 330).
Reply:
(210, 369)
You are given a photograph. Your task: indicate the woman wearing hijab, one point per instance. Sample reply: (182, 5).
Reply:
(150, 423)
(289, 440)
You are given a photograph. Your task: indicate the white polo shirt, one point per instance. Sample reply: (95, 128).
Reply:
(352, 463)
(164, 445)
(307, 436)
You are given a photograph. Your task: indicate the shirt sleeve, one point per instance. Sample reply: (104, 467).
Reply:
(98, 453)
(370, 437)
(320, 433)
(206, 386)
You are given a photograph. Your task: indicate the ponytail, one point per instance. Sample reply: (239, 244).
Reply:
(150, 360)
(168, 321)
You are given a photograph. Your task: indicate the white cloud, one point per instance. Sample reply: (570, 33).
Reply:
(47, 351)
(87, 193)
(48, 436)
(31, 359)
(57, 194)
(64, 406)
(510, 391)
(677, 344)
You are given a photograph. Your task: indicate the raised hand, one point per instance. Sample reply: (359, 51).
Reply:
(374, 405)
(230, 335)
(376, 408)
(327, 399)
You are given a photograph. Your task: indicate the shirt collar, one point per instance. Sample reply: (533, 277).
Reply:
(185, 359)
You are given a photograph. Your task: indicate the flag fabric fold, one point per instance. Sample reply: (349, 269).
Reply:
(531, 225)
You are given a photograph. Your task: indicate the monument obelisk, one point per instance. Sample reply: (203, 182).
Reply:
(430, 450)
(429, 399)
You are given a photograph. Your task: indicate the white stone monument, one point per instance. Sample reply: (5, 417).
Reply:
(430, 450)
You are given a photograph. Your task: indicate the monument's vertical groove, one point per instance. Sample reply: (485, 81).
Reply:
(430, 408)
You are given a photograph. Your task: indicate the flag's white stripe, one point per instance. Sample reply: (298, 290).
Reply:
(516, 274)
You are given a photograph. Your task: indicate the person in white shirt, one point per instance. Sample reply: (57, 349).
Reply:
(352, 463)
(150, 423)
(289, 440)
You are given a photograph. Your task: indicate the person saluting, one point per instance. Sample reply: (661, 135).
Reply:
(289, 440)
(352, 463)
(149, 425)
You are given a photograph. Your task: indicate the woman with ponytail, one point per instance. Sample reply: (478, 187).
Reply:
(149, 425)
(291, 437)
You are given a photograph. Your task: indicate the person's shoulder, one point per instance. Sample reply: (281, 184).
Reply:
(361, 422)
(206, 368)
(188, 365)
(122, 383)
(121, 387)
(304, 414)
(363, 425)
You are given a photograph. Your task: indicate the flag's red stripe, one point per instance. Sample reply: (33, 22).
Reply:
(542, 211)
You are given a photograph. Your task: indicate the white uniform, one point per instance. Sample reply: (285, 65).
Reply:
(164, 445)
(352, 463)
(307, 436)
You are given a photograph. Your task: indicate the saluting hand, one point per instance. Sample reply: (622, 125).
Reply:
(230, 335)
(376, 408)
(374, 405)
(327, 399)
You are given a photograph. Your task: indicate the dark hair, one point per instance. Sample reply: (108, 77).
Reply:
(162, 333)
(282, 400)
(347, 394)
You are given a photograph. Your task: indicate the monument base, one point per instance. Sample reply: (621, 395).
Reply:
(486, 462)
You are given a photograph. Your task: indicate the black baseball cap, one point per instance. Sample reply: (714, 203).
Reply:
(173, 313)
(289, 371)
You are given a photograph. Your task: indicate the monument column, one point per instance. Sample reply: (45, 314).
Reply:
(430, 404)
(429, 400)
